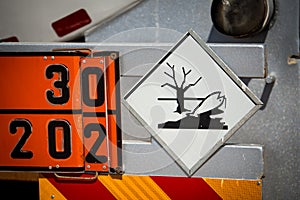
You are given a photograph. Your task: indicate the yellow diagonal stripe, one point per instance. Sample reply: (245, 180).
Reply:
(48, 191)
(133, 187)
(236, 189)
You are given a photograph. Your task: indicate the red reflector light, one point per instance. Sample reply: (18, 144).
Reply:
(71, 22)
(10, 39)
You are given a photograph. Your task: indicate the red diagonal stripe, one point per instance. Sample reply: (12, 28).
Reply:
(82, 189)
(186, 188)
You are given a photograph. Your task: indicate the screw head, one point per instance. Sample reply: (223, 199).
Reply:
(113, 56)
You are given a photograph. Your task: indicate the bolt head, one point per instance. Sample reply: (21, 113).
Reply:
(270, 79)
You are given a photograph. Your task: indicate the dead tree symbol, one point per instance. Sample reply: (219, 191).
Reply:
(180, 90)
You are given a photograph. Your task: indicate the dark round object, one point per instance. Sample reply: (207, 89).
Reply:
(240, 18)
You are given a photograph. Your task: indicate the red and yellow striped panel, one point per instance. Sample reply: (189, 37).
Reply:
(150, 187)
(236, 189)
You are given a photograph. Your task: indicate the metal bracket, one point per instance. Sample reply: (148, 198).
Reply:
(269, 83)
(77, 178)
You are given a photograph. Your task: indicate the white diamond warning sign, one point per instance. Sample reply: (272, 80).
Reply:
(191, 102)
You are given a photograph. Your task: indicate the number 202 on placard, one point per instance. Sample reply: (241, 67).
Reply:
(54, 112)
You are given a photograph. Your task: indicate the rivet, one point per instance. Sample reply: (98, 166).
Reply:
(83, 61)
(52, 57)
(88, 166)
(57, 166)
(50, 167)
(101, 61)
(258, 183)
(118, 170)
(113, 56)
(45, 57)
(52, 196)
(104, 167)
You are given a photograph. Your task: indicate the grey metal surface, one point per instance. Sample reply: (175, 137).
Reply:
(243, 161)
(248, 162)
(137, 58)
(238, 57)
(277, 126)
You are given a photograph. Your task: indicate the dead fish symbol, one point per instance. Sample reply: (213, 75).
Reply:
(210, 102)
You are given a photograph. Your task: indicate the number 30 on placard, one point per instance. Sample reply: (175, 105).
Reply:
(62, 85)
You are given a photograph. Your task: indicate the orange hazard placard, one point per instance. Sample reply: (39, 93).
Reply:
(43, 82)
(94, 103)
(54, 112)
(114, 111)
(40, 106)
(41, 141)
(101, 112)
